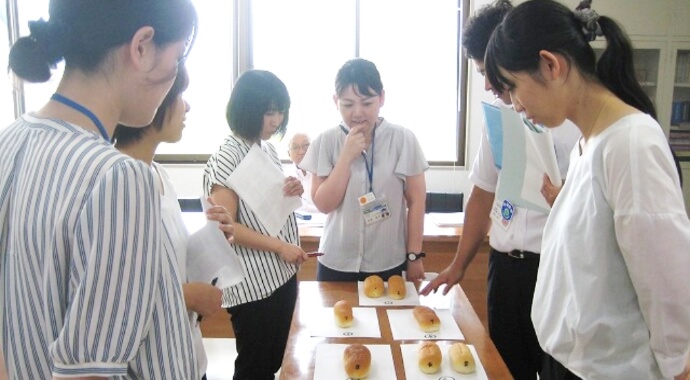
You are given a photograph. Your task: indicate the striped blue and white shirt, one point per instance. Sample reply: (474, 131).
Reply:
(266, 271)
(87, 287)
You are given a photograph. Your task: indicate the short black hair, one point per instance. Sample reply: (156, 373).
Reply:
(124, 135)
(255, 93)
(480, 26)
(361, 74)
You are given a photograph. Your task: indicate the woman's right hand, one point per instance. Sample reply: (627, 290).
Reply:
(355, 144)
(292, 254)
(202, 298)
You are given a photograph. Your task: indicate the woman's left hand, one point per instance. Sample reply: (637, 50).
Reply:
(415, 271)
(225, 221)
(293, 187)
(549, 191)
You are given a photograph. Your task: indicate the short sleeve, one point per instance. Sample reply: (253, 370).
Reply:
(412, 160)
(484, 173)
(323, 152)
(222, 164)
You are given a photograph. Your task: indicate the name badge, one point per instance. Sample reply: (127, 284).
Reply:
(502, 213)
(373, 209)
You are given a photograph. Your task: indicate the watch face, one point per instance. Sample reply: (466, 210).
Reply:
(411, 256)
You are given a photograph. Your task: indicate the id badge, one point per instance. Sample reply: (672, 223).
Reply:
(373, 209)
(502, 213)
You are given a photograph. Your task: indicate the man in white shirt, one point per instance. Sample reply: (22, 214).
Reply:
(515, 239)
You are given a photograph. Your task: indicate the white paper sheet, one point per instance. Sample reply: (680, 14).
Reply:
(405, 327)
(260, 184)
(366, 324)
(411, 297)
(209, 255)
(412, 372)
(329, 365)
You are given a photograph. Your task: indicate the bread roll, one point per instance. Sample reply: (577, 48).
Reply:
(396, 287)
(342, 311)
(357, 359)
(461, 358)
(426, 319)
(373, 286)
(429, 357)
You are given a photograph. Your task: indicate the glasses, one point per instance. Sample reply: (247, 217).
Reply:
(297, 148)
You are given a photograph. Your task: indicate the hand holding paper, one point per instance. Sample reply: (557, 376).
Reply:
(210, 255)
(526, 152)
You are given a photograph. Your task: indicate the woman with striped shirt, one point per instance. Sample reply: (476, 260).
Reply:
(261, 306)
(88, 290)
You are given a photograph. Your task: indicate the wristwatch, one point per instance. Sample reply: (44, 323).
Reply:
(415, 256)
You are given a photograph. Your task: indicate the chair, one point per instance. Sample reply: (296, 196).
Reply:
(190, 204)
(444, 202)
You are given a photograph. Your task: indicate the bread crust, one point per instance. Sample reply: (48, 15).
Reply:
(357, 361)
(461, 358)
(374, 286)
(429, 357)
(396, 287)
(426, 318)
(342, 311)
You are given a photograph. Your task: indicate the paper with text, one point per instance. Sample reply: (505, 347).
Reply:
(259, 183)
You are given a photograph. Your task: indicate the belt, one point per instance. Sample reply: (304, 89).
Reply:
(518, 254)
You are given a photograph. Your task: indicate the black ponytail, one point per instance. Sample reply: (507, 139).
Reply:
(616, 70)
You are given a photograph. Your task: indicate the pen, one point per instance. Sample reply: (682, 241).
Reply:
(314, 254)
(213, 283)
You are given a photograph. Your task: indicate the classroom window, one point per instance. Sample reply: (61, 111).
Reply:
(414, 43)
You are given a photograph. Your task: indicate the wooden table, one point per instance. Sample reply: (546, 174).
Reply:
(301, 347)
(440, 244)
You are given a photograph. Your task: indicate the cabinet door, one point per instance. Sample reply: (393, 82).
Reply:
(648, 59)
(679, 135)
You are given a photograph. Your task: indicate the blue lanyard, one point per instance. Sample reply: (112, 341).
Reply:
(85, 111)
(370, 170)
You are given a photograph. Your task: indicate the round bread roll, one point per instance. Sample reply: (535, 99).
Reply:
(342, 310)
(357, 359)
(429, 357)
(373, 286)
(396, 287)
(426, 319)
(461, 358)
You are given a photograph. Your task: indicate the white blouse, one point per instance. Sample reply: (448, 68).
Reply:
(612, 299)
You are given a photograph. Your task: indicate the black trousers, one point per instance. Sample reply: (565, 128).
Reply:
(261, 333)
(510, 291)
(324, 273)
(553, 370)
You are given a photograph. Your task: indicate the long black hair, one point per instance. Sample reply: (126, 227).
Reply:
(538, 25)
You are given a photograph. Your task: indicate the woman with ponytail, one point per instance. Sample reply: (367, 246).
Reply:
(86, 286)
(612, 299)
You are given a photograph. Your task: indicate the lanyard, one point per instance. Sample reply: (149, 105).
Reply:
(370, 170)
(85, 111)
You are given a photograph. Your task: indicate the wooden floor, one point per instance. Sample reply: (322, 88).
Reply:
(439, 255)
